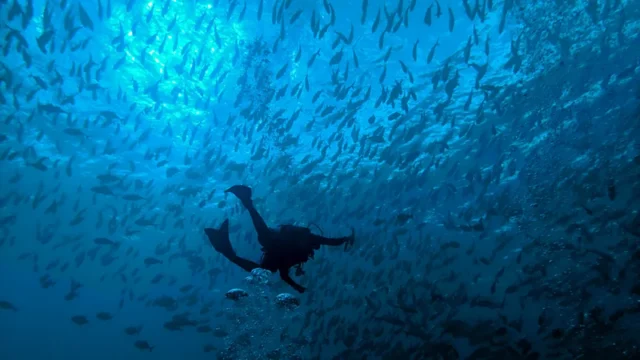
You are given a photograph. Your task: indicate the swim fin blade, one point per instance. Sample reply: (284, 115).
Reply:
(242, 192)
(219, 238)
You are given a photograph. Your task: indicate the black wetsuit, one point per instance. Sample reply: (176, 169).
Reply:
(282, 249)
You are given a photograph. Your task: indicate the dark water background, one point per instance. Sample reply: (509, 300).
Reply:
(492, 212)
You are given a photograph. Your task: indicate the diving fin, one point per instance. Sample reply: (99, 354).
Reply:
(242, 192)
(219, 238)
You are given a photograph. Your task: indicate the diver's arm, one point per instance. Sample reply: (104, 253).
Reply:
(284, 275)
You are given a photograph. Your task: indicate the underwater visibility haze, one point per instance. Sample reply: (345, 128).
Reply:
(483, 154)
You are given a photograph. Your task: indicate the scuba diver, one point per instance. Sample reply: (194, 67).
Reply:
(282, 248)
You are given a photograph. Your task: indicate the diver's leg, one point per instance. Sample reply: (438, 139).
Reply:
(263, 231)
(269, 262)
(258, 222)
(248, 265)
(219, 238)
(243, 193)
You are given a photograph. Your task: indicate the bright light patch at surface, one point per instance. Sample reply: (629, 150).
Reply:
(198, 90)
(180, 52)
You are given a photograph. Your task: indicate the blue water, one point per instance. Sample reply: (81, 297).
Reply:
(479, 202)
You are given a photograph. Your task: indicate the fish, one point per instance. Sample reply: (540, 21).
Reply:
(104, 316)
(133, 330)
(104, 241)
(79, 320)
(432, 52)
(5, 305)
(479, 182)
(143, 345)
(452, 20)
(152, 261)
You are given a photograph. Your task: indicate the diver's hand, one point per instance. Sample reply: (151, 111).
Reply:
(350, 240)
(284, 274)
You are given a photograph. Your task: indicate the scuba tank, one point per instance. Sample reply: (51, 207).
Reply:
(293, 229)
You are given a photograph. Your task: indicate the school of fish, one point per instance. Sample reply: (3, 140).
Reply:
(485, 151)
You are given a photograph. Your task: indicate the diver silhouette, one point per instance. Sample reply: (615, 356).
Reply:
(282, 248)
